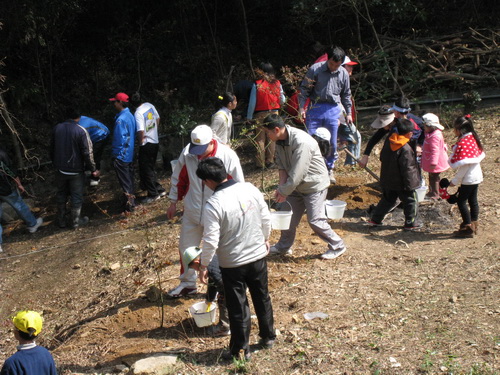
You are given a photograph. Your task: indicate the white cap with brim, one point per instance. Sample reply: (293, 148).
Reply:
(348, 61)
(201, 136)
(323, 133)
(190, 254)
(382, 120)
(430, 119)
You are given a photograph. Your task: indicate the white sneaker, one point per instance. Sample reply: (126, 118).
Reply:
(183, 289)
(275, 251)
(332, 254)
(35, 227)
(332, 177)
(1, 249)
(94, 182)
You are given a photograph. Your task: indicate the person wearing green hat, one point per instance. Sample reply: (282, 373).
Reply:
(30, 359)
(191, 258)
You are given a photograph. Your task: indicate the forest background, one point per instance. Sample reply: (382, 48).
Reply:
(181, 54)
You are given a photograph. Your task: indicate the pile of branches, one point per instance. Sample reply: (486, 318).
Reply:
(427, 66)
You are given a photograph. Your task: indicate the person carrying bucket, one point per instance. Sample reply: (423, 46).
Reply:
(303, 183)
(236, 226)
(215, 288)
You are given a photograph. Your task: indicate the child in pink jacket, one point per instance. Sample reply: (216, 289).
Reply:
(434, 156)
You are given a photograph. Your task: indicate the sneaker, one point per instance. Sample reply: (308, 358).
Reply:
(414, 226)
(372, 223)
(332, 254)
(228, 356)
(183, 289)
(332, 177)
(275, 251)
(148, 200)
(35, 227)
(1, 251)
(163, 193)
(266, 343)
(94, 182)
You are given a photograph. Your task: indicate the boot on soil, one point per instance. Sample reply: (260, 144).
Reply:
(465, 231)
(61, 215)
(76, 220)
(475, 226)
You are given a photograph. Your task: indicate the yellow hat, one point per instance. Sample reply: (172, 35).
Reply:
(27, 321)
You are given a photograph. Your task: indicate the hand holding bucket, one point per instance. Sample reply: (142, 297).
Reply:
(281, 219)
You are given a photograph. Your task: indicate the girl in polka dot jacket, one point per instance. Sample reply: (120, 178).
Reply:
(466, 155)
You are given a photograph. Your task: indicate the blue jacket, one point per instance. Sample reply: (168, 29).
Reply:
(35, 361)
(97, 130)
(71, 148)
(122, 147)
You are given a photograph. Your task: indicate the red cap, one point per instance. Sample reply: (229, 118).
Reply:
(347, 61)
(121, 97)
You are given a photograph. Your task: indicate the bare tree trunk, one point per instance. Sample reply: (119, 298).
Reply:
(15, 141)
(247, 38)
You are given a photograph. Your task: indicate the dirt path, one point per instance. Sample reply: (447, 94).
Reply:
(397, 302)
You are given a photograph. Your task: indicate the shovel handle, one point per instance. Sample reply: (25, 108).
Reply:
(357, 160)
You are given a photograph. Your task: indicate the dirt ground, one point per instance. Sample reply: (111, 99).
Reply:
(397, 302)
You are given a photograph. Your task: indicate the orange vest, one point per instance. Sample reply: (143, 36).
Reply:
(268, 95)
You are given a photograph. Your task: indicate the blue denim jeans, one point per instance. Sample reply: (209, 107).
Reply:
(325, 115)
(17, 203)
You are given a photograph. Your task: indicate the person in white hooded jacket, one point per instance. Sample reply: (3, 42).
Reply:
(185, 185)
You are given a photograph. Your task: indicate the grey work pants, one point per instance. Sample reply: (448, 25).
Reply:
(314, 204)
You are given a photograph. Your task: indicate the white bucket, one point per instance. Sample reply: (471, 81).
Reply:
(335, 209)
(173, 163)
(281, 219)
(201, 316)
(421, 191)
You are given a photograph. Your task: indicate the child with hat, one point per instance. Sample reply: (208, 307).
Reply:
(434, 157)
(215, 290)
(29, 359)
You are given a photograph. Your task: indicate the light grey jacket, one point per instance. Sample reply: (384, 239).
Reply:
(300, 157)
(236, 225)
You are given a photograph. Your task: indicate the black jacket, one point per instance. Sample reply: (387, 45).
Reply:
(71, 148)
(399, 169)
(7, 174)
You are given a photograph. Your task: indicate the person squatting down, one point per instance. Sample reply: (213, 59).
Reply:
(303, 183)
(185, 185)
(236, 227)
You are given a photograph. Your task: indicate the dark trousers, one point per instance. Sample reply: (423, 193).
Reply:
(147, 175)
(389, 197)
(69, 185)
(125, 174)
(98, 149)
(468, 194)
(236, 280)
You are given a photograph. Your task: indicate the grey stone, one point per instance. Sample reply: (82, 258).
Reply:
(159, 364)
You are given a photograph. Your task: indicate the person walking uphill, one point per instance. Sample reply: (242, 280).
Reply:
(71, 154)
(303, 182)
(236, 227)
(147, 121)
(266, 97)
(10, 188)
(186, 185)
(30, 359)
(122, 149)
(327, 86)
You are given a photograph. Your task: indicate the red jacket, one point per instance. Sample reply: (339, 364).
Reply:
(268, 95)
